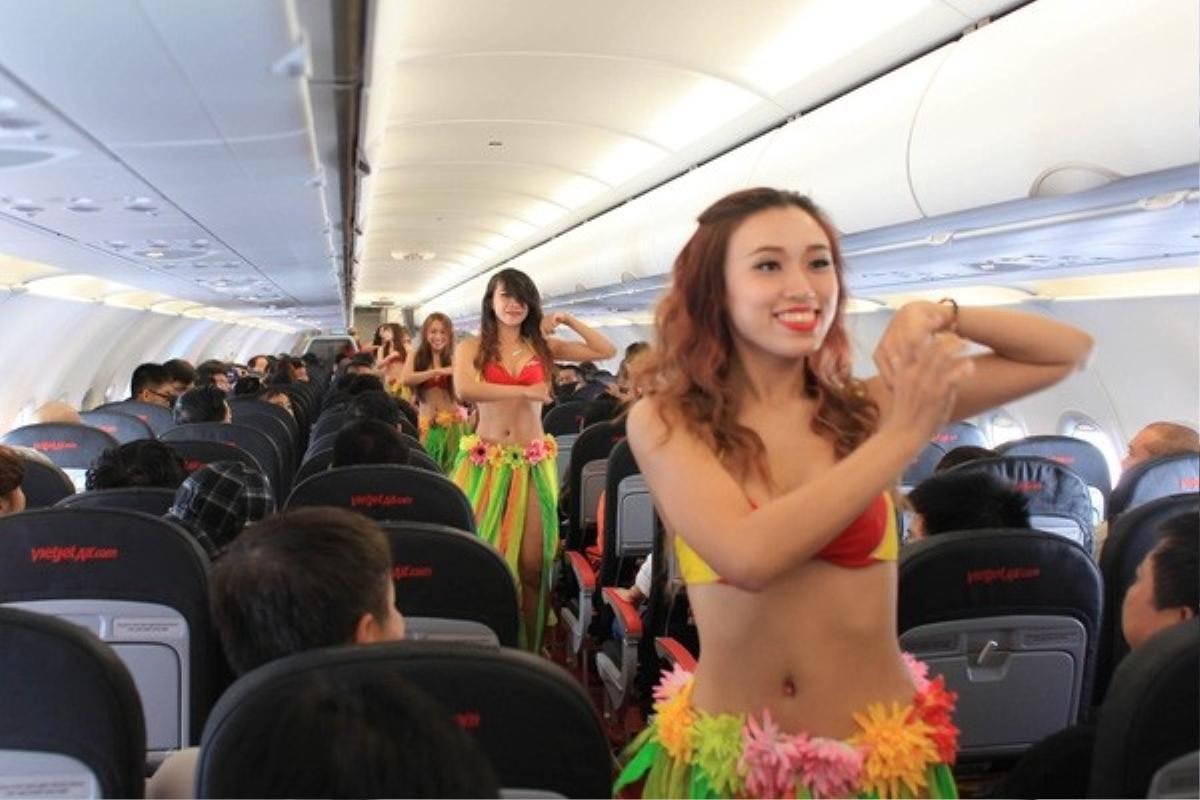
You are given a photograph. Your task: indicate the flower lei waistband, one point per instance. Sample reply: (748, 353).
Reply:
(739, 756)
(443, 419)
(482, 453)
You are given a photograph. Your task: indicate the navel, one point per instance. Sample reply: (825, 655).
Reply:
(789, 686)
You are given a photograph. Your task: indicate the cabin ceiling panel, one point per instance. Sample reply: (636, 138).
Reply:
(529, 179)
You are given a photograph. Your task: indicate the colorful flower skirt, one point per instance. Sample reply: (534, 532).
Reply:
(440, 435)
(901, 751)
(496, 479)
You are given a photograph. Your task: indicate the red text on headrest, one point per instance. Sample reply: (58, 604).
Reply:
(73, 553)
(49, 446)
(1002, 574)
(384, 500)
(1189, 484)
(1068, 460)
(109, 428)
(1028, 486)
(192, 464)
(468, 720)
(402, 571)
(143, 417)
(945, 437)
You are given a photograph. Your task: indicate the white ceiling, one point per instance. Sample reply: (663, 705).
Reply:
(492, 126)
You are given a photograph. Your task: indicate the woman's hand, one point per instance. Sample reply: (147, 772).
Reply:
(551, 321)
(913, 326)
(925, 386)
(539, 392)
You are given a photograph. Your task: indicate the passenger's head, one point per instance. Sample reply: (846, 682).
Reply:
(202, 404)
(277, 397)
(1166, 589)
(247, 385)
(12, 473)
(283, 373)
(152, 383)
(364, 383)
(219, 499)
(392, 740)
(1160, 439)
(303, 579)
(963, 501)
(962, 455)
(760, 278)
(511, 300)
(145, 462)
(299, 369)
(369, 441)
(260, 364)
(183, 375)
(57, 411)
(377, 405)
(213, 373)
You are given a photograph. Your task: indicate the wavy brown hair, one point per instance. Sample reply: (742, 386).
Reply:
(519, 284)
(695, 355)
(424, 357)
(396, 345)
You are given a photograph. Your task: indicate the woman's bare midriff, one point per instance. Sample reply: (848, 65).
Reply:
(814, 647)
(510, 421)
(434, 400)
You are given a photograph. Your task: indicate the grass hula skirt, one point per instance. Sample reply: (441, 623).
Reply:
(440, 436)
(496, 479)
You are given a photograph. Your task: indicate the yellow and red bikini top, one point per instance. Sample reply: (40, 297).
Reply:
(869, 539)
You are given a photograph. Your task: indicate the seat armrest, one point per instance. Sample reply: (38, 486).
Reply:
(585, 577)
(629, 621)
(670, 649)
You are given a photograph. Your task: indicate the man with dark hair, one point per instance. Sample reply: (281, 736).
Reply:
(566, 382)
(963, 454)
(202, 404)
(963, 501)
(213, 373)
(151, 383)
(377, 405)
(364, 383)
(369, 441)
(145, 462)
(293, 582)
(183, 375)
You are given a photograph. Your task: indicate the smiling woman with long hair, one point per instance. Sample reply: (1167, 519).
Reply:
(429, 374)
(771, 465)
(507, 467)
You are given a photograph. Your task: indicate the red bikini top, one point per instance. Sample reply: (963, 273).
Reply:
(530, 374)
(436, 382)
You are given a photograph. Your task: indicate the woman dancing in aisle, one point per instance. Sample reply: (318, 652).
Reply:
(771, 466)
(430, 376)
(390, 358)
(507, 467)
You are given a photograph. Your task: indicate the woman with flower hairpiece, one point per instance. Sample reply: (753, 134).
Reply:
(507, 467)
(442, 421)
(771, 468)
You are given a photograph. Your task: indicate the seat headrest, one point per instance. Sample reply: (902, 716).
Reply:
(1151, 714)
(1158, 477)
(388, 492)
(1084, 458)
(924, 465)
(960, 434)
(121, 426)
(69, 445)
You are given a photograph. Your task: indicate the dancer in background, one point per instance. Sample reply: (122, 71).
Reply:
(429, 374)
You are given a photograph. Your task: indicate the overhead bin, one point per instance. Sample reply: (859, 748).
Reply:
(1058, 97)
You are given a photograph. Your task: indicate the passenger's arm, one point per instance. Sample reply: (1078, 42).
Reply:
(594, 347)
(1028, 352)
(699, 499)
(471, 388)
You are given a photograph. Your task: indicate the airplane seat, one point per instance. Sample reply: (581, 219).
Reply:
(1131, 536)
(1011, 618)
(139, 583)
(1178, 779)
(593, 444)
(563, 460)
(444, 573)
(329, 422)
(922, 466)
(158, 418)
(1158, 477)
(72, 447)
(1059, 501)
(1151, 715)
(314, 463)
(251, 440)
(72, 724)
(152, 500)
(251, 410)
(199, 452)
(669, 633)
(960, 434)
(388, 492)
(531, 720)
(564, 418)
(1084, 458)
(44, 484)
(122, 426)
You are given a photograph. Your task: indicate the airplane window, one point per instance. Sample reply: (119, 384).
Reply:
(1084, 427)
(1003, 427)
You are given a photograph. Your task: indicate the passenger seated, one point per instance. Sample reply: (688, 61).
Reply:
(216, 501)
(964, 501)
(260, 365)
(296, 581)
(214, 373)
(1160, 439)
(247, 385)
(377, 405)
(1165, 592)
(369, 441)
(566, 382)
(277, 397)
(12, 473)
(963, 454)
(202, 404)
(181, 373)
(145, 462)
(56, 411)
(152, 383)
